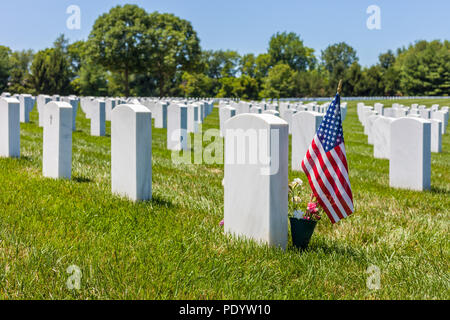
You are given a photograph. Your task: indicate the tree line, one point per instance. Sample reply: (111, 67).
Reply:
(130, 52)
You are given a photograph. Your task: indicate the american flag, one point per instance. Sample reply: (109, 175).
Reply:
(325, 165)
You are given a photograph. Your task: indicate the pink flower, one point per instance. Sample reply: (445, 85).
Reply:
(222, 223)
(312, 207)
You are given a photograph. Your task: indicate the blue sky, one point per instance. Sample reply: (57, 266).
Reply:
(244, 25)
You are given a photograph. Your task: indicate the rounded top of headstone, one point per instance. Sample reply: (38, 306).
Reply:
(300, 114)
(264, 117)
(58, 105)
(136, 108)
(410, 119)
(9, 100)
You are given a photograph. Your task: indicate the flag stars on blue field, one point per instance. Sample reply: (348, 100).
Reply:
(330, 131)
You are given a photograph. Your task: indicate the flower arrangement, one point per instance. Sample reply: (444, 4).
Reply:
(312, 210)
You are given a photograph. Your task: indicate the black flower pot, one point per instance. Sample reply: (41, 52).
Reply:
(302, 231)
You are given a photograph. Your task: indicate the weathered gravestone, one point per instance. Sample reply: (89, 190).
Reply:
(410, 155)
(256, 178)
(131, 152)
(177, 136)
(98, 118)
(304, 127)
(57, 155)
(9, 127)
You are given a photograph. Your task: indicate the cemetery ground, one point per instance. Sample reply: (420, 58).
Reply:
(174, 248)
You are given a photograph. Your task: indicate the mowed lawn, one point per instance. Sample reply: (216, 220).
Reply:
(174, 248)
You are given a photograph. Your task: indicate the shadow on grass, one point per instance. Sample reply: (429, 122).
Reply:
(26, 158)
(157, 200)
(438, 190)
(81, 179)
(326, 249)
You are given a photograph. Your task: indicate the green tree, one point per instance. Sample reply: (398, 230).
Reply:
(373, 81)
(281, 82)
(5, 67)
(175, 49)
(425, 68)
(289, 49)
(120, 42)
(353, 81)
(90, 79)
(337, 58)
(196, 85)
(263, 65)
(387, 59)
(248, 65)
(50, 72)
(20, 71)
(391, 74)
(221, 63)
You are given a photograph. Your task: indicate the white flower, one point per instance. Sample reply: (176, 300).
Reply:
(299, 214)
(298, 181)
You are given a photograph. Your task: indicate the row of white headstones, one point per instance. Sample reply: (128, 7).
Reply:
(406, 136)
(131, 133)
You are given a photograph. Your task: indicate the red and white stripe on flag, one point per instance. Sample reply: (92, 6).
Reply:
(325, 165)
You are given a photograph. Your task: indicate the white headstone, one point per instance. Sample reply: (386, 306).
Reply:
(381, 133)
(74, 103)
(131, 152)
(159, 113)
(410, 156)
(440, 115)
(256, 109)
(98, 118)
(9, 127)
(425, 113)
(225, 113)
(26, 106)
(57, 155)
(369, 126)
(379, 107)
(193, 115)
(287, 116)
(110, 104)
(256, 178)
(272, 112)
(436, 135)
(177, 127)
(42, 100)
(304, 127)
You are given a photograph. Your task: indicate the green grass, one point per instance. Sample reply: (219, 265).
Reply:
(173, 247)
